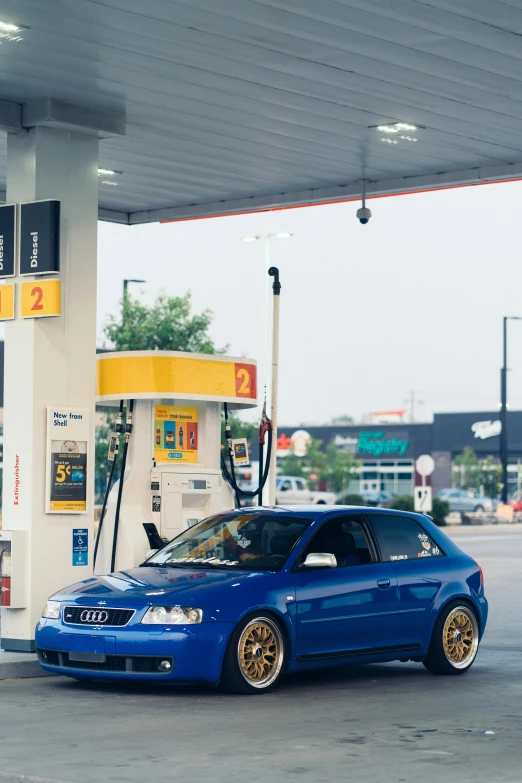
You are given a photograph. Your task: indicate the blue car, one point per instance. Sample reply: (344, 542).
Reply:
(247, 595)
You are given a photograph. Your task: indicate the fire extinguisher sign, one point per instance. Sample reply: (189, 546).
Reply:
(80, 549)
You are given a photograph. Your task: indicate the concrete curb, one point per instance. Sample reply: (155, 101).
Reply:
(14, 666)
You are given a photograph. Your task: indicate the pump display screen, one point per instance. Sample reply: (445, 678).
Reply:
(197, 484)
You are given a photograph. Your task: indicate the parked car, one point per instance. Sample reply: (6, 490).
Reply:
(292, 490)
(245, 596)
(377, 498)
(460, 500)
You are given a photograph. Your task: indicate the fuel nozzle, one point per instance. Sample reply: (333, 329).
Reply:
(114, 442)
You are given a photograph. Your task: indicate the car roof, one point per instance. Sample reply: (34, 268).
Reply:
(320, 509)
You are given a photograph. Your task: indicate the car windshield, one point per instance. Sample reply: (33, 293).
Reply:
(246, 541)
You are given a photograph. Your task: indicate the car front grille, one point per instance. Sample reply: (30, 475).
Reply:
(97, 615)
(142, 664)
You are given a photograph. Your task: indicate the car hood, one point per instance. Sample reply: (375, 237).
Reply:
(138, 587)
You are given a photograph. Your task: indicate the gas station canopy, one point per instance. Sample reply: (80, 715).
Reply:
(224, 106)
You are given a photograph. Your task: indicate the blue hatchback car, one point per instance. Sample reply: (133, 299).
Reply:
(247, 595)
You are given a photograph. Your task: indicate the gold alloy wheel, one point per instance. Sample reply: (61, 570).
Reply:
(260, 652)
(460, 637)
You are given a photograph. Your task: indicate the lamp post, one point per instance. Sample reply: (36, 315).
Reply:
(125, 286)
(503, 407)
(273, 407)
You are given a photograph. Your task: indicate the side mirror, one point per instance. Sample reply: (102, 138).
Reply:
(320, 560)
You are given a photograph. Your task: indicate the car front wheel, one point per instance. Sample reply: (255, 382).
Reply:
(255, 656)
(455, 641)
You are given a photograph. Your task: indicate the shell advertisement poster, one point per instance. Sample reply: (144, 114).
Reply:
(175, 434)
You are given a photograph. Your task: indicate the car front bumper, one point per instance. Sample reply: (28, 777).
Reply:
(133, 652)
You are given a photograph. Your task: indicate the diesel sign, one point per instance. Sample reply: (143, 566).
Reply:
(7, 241)
(40, 238)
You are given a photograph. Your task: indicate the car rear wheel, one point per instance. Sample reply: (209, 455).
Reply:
(478, 508)
(255, 656)
(455, 641)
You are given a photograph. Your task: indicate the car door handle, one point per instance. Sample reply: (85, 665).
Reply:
(383, 583)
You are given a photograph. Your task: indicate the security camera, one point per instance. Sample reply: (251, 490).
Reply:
(363, 215)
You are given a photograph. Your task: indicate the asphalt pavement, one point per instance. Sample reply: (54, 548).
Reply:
(393, 722)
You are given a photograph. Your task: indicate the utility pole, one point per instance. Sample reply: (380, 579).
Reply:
(503, 414)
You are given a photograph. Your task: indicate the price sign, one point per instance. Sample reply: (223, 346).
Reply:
(40, 299)
(7, 295)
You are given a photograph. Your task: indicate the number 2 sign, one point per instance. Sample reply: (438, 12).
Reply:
(40, 299)
(246, 380)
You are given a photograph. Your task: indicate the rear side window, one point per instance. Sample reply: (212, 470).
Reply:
(402, 538)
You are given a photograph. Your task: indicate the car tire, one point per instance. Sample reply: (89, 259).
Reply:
(320, 503)
(255, 657)
(454, 641)
(478, 508)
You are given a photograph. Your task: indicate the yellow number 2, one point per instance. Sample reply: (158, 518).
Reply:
(244, 376)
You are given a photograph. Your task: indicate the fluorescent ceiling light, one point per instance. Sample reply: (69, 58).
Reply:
(395, 127)
(107, 173)
(7, 27)
(283, 235)
(108, 182)
(249, 239)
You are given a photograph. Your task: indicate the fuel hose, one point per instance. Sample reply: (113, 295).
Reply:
(128, 430)
(114, 445)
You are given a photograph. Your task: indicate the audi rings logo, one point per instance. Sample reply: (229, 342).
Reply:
(96, 617)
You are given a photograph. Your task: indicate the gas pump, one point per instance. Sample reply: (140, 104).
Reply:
(170, 464)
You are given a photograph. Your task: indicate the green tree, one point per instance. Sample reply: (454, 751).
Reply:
(292, 465)
(340, 469)
(315, 461)
(168, 325)
(475, 474)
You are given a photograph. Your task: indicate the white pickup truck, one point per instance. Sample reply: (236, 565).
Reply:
(293, 491)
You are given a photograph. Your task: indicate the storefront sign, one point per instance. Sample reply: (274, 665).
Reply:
(67, 457)
(486, 429)
(377, 444)
(7, 240)
(80, 547)
(175, 434)
(40, 238)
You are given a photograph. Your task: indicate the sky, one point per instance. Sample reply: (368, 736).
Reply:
(413, 300)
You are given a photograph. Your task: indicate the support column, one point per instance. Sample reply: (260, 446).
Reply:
(50, 361)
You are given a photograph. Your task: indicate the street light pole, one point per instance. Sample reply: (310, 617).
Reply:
(125, 287)
(503, 407)
(503, 414)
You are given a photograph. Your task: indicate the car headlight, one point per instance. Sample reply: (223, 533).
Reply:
(51, 610)
(173, 615)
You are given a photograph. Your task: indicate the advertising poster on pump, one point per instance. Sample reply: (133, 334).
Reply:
(68, 467)
(68, 476)
(175, 434)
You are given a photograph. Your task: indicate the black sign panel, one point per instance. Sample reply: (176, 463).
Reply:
(40, 238)
(7, 240)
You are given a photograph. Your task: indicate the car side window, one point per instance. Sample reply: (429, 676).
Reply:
(343, 537)
(300, 485)
(285, 486)
(402, 538)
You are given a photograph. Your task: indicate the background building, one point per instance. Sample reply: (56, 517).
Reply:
(388, 451)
